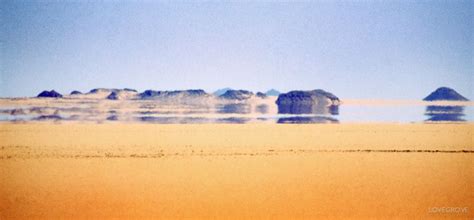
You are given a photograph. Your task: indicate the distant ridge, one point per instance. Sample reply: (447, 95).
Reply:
(97, 90)
(225, 94)
(150, 94)
(129, 90)
(445, 93)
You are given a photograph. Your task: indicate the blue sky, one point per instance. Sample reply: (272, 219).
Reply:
(359, 49)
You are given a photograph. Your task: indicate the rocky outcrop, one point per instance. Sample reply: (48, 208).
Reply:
(236, 95)
(307, 102)
(261, 95)
(50, 94)
(446, 94)
(75, 92)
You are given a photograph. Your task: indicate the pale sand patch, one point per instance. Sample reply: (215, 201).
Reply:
(402, 102)
(234, 171)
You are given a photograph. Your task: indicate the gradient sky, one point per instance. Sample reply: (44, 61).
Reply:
(392, 49)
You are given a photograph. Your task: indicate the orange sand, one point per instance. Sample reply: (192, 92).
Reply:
(235, 171)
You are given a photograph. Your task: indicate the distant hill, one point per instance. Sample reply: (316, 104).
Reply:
(75, 92)
(220, 92)
(49, 94)
(307, 97)
(272, 92)
(445, 93)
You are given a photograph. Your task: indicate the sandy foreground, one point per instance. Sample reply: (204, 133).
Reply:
(270, 171)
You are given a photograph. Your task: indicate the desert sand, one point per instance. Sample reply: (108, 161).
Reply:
(270, 171)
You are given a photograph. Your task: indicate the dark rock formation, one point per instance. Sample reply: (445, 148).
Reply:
(237, 95)
(307, 102)
(50, 94)
(75, 92)
(445, 93)
(272, 92)
(149, 94)
(261, 95)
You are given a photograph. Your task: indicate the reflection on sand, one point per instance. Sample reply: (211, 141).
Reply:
(192, 120)
(112, 118)
(233, 108)
(150, 111)
(308, 109)
(49, 118)
(262, 109)
(314, 114)
(172, 120)
(307, 120)
(445, 113)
